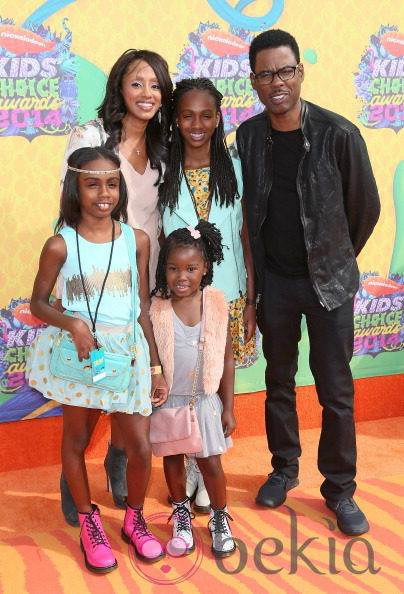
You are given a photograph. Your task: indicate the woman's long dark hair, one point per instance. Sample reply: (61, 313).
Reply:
(70, 211)
(113, 109)
(209, 243)
(222, 179)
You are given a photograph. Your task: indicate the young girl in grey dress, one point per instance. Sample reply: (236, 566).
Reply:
(182, 294)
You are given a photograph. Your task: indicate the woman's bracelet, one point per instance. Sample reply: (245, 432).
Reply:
(250, 301)
(156, 370)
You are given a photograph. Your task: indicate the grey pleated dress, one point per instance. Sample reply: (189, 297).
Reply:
(208, 408)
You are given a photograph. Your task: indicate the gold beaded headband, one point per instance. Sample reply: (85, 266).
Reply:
(93, 172)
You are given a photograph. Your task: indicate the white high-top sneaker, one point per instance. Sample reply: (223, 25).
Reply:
(191, 475)
(202, 501)
(195, 487)
(223, 544)
(182, 520)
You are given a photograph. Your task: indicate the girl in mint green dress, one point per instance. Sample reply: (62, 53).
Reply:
(90, 250)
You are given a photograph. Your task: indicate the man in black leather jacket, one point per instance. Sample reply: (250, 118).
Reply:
(311, 203)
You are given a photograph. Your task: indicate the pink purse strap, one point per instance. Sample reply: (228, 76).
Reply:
(201, 346)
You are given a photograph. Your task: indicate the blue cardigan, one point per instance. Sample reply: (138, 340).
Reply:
(230, 274)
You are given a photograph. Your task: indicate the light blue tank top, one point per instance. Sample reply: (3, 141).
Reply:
(116, 303)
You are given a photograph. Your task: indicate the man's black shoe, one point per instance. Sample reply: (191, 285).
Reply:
(350, 519)
(273, 491)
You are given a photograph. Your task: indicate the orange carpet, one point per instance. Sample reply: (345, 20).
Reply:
(375, 398)
(293, 549)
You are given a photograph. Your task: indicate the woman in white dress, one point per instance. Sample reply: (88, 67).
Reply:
(134, 121)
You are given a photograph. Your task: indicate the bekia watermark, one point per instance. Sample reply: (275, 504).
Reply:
(270, 547)
(271, 555)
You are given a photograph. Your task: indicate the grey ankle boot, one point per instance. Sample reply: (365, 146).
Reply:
(68, 506)
(115, 464)
(223, 544)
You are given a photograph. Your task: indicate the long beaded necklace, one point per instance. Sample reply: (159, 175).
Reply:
(93, 320)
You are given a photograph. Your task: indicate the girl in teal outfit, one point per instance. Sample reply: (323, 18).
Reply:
(202, 182)
(90, 251)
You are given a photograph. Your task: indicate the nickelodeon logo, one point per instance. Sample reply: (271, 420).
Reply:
(222, 43)
(393, 42)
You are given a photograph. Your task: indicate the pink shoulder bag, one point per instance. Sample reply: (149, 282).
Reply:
(176, 430)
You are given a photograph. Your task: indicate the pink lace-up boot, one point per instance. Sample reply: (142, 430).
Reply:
(135, 531)
(98, 555)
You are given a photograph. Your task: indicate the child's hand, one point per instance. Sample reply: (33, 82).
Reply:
(250, 323)
(57, 304)
(159, 390)
(83, 339)
(228, 422)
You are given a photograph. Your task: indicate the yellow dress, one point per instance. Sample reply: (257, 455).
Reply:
(198, 180)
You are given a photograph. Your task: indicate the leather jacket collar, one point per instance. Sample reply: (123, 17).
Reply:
(303, 125)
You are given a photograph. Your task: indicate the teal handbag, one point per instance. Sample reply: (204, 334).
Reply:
(65, 363)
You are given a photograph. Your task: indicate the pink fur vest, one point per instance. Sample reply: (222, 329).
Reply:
(217, 318)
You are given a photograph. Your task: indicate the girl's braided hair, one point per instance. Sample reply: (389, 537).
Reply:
(222, 179)
(209, 243)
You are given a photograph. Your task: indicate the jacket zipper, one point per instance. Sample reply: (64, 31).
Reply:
(306, 146)
(268, 190)
(268, 156)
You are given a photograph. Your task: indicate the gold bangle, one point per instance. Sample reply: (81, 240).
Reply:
(155, 370)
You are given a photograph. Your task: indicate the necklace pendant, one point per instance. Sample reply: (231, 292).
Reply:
(137, 151)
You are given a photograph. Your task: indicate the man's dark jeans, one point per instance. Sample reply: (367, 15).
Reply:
(279, 314)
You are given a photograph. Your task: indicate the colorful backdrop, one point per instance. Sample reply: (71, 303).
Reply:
(54, 57)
